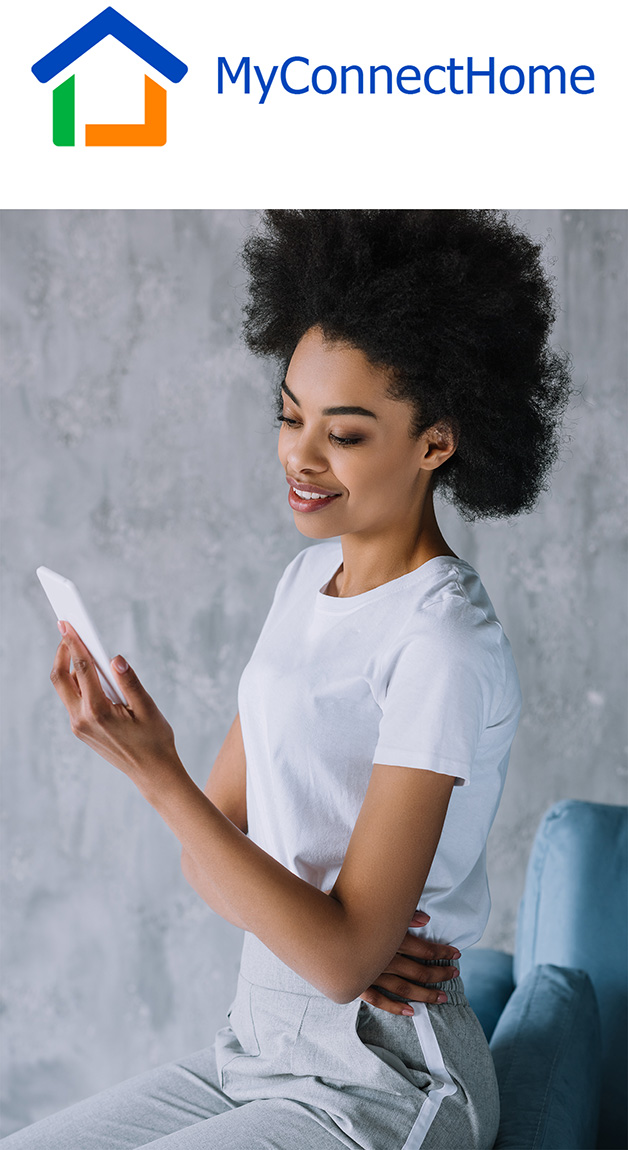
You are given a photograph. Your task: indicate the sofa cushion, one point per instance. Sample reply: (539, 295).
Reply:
(546, 1048)
(488, 983)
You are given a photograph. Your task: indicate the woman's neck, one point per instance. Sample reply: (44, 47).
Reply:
(370, 562)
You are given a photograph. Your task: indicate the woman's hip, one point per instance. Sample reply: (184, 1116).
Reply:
(362, 1065)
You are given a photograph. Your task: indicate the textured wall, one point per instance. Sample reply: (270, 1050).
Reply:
(139, 459)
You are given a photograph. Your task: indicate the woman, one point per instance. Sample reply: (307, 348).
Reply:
(365, 765)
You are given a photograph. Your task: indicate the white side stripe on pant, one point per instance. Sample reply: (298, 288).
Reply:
(438, 1070)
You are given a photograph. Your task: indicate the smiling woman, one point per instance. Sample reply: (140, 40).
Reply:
(379, 476)
(356, 787)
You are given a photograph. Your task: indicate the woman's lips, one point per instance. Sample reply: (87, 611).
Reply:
(308, 505)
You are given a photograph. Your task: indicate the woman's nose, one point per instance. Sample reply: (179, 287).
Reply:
(304, 454)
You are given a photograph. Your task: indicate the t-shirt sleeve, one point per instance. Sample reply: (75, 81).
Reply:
(434, 698)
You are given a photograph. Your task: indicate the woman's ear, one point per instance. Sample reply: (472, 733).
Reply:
(440, 440)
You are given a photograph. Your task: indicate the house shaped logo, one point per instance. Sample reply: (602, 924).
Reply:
(152, 133)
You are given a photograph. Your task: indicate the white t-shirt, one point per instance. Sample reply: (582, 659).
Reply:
(416, 673)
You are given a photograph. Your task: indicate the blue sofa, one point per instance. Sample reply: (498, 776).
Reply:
(555, 1013)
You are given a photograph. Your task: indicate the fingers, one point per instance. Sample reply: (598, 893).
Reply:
(88, 683)
(375, 998)
(406, 991)
(63, 680)
(409, 981)
(85, 676)
(138, 699)
(419, 918)
(418, 972)
(427, 949)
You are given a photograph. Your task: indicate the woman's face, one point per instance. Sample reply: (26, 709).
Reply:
(343, 437)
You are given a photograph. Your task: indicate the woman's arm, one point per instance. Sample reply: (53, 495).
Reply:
(328, 940)
(226, 788)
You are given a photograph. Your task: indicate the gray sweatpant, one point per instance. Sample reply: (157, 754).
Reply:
(295, 1071)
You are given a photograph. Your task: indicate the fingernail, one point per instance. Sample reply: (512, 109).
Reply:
(456, 954)
(420, 918)
(442, 997)
(408, 1011)
(120, 664)
(456, 974)
(62, 627)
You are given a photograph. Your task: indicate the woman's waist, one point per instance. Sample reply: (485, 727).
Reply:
(260, 967)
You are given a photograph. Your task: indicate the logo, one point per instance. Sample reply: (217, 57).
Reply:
(152, 133)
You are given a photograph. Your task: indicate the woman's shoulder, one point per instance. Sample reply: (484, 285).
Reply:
(453, 626)
(444, 594)
(457, 592)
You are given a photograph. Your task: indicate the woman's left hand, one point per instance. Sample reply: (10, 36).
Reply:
(418, 960)
(137, 738)
(412, 965)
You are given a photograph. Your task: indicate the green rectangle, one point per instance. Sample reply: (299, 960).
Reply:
(63, 114)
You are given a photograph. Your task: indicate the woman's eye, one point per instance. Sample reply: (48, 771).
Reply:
(341, 440)
(344, 441)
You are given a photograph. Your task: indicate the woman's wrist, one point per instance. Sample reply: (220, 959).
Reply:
(160, 778)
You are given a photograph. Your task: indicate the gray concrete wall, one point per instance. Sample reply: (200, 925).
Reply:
(139, 459)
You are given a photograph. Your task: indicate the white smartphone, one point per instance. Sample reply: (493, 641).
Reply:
(68, 605)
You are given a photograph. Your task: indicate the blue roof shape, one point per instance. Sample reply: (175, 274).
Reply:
(109, 23)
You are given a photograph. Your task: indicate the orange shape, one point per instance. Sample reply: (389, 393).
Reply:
(152, 133)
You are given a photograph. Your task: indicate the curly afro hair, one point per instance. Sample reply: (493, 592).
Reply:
(455, 303)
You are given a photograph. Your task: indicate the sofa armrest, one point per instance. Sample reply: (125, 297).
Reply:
(547, 1053)
(573, 914)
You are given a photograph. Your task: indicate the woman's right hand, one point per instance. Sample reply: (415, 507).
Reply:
(406, 970)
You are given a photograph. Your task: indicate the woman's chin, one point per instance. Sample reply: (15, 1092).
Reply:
(314, 528)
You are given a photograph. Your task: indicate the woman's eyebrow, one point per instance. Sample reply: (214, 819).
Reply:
(331, 410)
(348, 411)
(284, 387)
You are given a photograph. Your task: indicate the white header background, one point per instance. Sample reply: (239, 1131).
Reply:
(379, 150)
